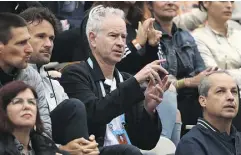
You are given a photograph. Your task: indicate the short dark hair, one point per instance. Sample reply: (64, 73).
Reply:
(7, 93)
(8, 21)
(39, 14)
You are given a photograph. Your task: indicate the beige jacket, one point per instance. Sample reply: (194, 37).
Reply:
(219, 50)
(192, 20)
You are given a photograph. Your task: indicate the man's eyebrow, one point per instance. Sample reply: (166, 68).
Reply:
(234, 88)
(113, 32)
(221, 87)
(43, 33)
(23, 40)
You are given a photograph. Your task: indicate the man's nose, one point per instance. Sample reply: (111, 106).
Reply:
(171, 2)
(230, 96)
(229, 4)
(48, 43)
(28, 48)
(121, 41)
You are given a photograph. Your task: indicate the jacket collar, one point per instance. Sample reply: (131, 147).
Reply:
(39, 143)
(96, 71)
(164, 33)
(40, 70)
(207, 125)
(229, 30)
(5, 77)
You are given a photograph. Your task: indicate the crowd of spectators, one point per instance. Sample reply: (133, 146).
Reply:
(115, 77)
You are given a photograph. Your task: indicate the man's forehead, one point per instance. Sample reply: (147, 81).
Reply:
(113, 20)
(114, 28)
(39, 28)
(222, 81)
(19, 33)
(17, 30)
(223, 86)
(109, 29)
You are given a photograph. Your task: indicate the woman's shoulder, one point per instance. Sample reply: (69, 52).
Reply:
(41, 143)
(234, 25)
(44, 145)
(7, 144)
(2, 144)
(6, 137)
(200, 31)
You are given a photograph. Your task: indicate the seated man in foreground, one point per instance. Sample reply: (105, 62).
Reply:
(114, 102)
(214, 134)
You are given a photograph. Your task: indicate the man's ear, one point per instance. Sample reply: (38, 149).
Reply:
(149, 6)
(92, 39)
(202, 100)
(1, 47)
(206, 4)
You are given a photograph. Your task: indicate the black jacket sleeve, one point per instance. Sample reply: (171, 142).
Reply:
(78, 83)
(189, 147)
(143, 130)
(131, 62)
(134, 60)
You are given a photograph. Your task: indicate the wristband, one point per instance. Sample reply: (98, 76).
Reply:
(180, 83)
(136, 44)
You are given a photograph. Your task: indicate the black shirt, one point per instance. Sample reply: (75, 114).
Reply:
(6, 78)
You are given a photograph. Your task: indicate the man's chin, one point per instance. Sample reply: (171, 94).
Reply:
(230, 116)
(22, 66)
(169, 17)
(43, 62)
(46, 60)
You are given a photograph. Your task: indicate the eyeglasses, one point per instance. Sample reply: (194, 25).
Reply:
(31, 101)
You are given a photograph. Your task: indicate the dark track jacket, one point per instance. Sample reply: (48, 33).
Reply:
(82, 82)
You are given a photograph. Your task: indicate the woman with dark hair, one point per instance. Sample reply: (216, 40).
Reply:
(21, 127)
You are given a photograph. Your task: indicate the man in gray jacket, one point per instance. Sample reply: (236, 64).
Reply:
(15, 52)
(68, 115)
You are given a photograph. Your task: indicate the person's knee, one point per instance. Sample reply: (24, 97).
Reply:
(172, 88)
(77, 103)
(178, 117)
(77, 106)
(71, 107)
(73, 104)
(168, 104)
(130, 149)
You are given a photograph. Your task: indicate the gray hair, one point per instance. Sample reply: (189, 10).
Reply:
(97, 15)
(205, 83)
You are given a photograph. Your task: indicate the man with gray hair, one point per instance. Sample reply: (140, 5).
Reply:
(119, 111)
(214, 133)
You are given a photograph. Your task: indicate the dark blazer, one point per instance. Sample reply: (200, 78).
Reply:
(82, 82)
(40, 144)
(204, 139)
